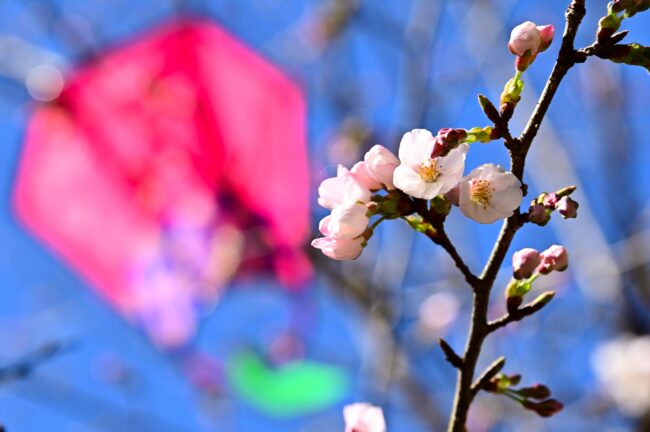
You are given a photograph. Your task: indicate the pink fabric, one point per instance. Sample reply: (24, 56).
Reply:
(120, 176)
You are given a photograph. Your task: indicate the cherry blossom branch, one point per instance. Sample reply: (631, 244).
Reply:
(421, 185)
(479, 327)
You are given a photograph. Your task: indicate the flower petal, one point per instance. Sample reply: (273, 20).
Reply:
(408, 181)
(416, 147)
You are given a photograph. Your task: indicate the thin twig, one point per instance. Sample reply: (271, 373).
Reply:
(440, 237)
(519, 314)
(490, 372)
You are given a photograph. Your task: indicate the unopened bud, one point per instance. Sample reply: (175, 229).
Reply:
(567, 207)
(546, 32)
(538, 391)
(539, 215)
(554, 258)
(566, 191)
(525, 39)
(607, 26)
(446, 140)
(512, 91)
(483, 135)
(545, 408)
(524, 263)
(550, 200)
(488, 108)
(542, 300)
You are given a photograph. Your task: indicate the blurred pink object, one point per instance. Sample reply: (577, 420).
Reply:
(363, 417)
(157, 164)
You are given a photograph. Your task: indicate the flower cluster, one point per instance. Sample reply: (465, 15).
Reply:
(486, 194)
(535, 398)
(345, 231)
(527, 262)
(527, 265)
(527, 40)
(545, 204)
(428, 168)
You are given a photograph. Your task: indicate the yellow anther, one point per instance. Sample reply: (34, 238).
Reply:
(428, 171)
(481, 192)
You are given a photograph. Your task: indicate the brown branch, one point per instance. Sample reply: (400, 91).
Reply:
(479, 327)
(439, 236)
(519, 314)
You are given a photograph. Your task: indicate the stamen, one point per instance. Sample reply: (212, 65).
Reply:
(428, 170)
(481, 192)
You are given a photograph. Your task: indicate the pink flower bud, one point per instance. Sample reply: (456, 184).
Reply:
(538, 215)
(546, 32)
(567, 207)
(361, 174)
(550, 200)
(381, 164)
(363, 417)
(447, 139)
(342, 249)
(338, 249)
(524, 263)
(525, 39)
(348, 221)
(554, 258)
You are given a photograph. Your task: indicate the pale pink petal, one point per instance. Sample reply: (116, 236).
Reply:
(330, 192)
(525, 38)
(381, 164)
(348, 221)
(342, 249)
(408, 181)
(362, 175)
(323, 225)
(416, 147)
(524, 262)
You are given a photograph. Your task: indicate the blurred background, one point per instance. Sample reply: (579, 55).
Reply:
(158, 170)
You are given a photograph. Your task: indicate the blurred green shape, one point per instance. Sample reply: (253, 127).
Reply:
(293, 389)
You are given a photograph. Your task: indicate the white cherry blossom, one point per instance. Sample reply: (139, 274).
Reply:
(381, 164)
(489, 193)
(422, 176)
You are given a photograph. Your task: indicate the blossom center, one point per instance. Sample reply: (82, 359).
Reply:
(481, 192)
(428, 171)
